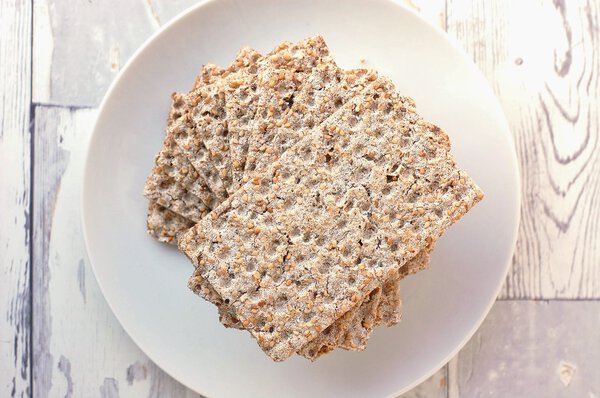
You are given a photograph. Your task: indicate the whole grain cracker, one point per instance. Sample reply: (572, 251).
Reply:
(202, 132)
(172, 171)
(324, 91)
(280, 75)
(171, 166)
(276, 292)
(165, 225)
(353, 332)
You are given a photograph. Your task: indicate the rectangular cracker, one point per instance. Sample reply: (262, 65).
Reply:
(171, 167)
(355, 200)
(173, 172)
(165, 225)
(353, 332)
(325, 90)
(280, 74)
(202, 131)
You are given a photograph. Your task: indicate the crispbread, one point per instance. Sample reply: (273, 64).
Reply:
(173, 172)
(175, 197)
(202, 132)
(339, 333)
(324, 91)
(370, 188)
(352, 332)
(280, 75)
(165, 225)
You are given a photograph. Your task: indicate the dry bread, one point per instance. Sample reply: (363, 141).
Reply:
(342, 211)
(202, 131)
(165, 225)
(173, 172)
(352, 332)
(344, 332)
(279, 76)
(326, 89)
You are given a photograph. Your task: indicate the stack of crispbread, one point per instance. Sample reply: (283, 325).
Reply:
(302, 193)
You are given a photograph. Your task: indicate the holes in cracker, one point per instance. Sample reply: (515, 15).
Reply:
(320, 240)
(286, 203)
(306, 239)
(368, 232)
(295, 233)
(390, 179)
(362, 173)
(349, 204)
(352, 120)
(250, 266)
(224, 132)
(201, 152)
(281, 302)
(338, 103)
(276, 244)
(289, 100)
(307, 153)
(307, 316)
(358, 149)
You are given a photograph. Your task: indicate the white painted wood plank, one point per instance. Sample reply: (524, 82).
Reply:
(534, 349)
(79, 348)
(542, 60)
(434, 387)
(79, 47)
(15, 86)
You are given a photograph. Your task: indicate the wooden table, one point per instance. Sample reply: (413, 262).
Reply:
(59, 338)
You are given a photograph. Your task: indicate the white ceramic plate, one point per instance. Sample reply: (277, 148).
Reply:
(144, 282)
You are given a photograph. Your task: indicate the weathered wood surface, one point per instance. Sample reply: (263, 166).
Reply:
(88, 42)
(15, 158)
(541, 58)
(533, 349)
(79, 349)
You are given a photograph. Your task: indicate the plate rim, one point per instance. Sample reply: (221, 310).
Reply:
(453, 42)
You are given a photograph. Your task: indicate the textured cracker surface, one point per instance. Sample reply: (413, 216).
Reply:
(280, 75)
(324, 91)
(202, 131)
(353, 202)
(165, 225)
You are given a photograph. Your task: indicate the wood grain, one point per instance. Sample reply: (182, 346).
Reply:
(15, 150)
(533, 349)
(541, 58)
(100, 35)
(545, 72)
(79, 348)
(434, 387)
